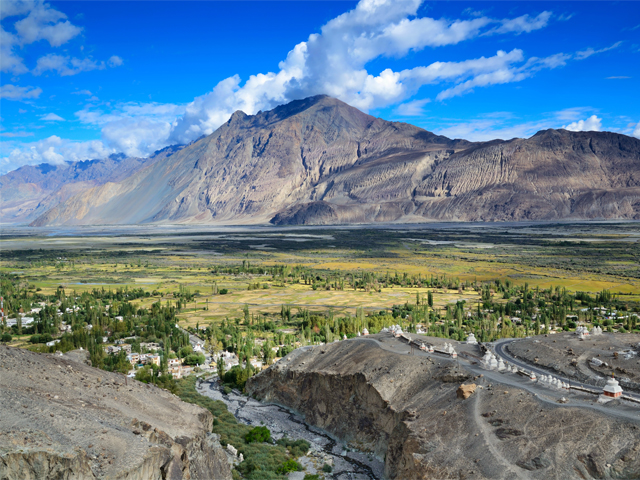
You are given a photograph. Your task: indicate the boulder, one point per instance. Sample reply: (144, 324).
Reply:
(465, 391)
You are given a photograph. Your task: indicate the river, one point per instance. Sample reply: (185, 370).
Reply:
(347, 464)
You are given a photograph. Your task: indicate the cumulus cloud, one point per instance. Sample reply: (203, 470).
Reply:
(82, 92)
(593, 123)
(636, 131)
(133, 128)
(52, 117)
(115, 61)
(333, 62)
(41, 23)
(53, 150)
(13, 92)
(45, 23)
(65, 66)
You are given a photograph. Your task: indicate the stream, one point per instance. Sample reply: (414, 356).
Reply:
(347, 464)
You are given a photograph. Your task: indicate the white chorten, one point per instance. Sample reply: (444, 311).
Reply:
(493, 363)
(454, 354)
(344, 337)
(358, 333)
(612, 388)
(471, 339)
(365, 331)
(501, 366)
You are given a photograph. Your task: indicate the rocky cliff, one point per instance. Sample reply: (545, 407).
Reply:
(405, 410)
(62, 419)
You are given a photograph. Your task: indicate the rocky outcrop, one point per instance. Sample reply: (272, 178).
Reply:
(62, 419)
(401, 409)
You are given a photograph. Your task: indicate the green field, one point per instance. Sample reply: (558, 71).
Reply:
(581, 258)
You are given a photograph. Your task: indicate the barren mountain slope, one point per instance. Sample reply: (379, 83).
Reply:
(553, 175)
(30, 191)
(63, 419)
(405, 409)
(320, 161)
(255, 166)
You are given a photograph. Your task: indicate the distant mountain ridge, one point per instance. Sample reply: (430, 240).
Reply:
(32, 190)
(320, 161)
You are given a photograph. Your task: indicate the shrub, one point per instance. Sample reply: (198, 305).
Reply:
(308, 476)
(258, 435)
(297, 448)
(289, 466)
(223, 291)
(327, 468)
(237, 376)
(6, 338)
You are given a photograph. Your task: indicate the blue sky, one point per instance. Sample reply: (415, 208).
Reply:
(86, 79)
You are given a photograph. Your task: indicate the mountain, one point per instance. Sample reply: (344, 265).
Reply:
(32, 190)
(320, 161)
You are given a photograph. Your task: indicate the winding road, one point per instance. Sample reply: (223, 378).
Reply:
(501, 350)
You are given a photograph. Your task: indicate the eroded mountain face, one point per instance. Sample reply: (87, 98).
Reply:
(408, 411)
(320, 161)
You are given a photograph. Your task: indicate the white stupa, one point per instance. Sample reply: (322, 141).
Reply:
(493, 363)
(612, 389)
(501, 366)
(365, 331)
(453, 353)
(486, 360)
(344, 337)
(471, 339)
(430, 348)
(358, 333)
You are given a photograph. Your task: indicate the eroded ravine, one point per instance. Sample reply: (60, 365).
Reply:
(348, 465)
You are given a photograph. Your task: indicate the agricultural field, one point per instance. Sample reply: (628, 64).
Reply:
(251, 273)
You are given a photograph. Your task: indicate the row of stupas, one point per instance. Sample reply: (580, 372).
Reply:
(583, 332)
(552, 382)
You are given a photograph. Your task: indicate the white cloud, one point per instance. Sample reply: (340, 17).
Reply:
(115, 61)
(581, 55)
(9, 61)
(82, 92)
(50, 150)
(133, 128)
(13, 92)
(65, 66)
(523, 24)
(636, 131)
(592, 123)
(333, 62)
(52, 117)
(41, 23)
(16, 134)
(414, 108)
(45, 23)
